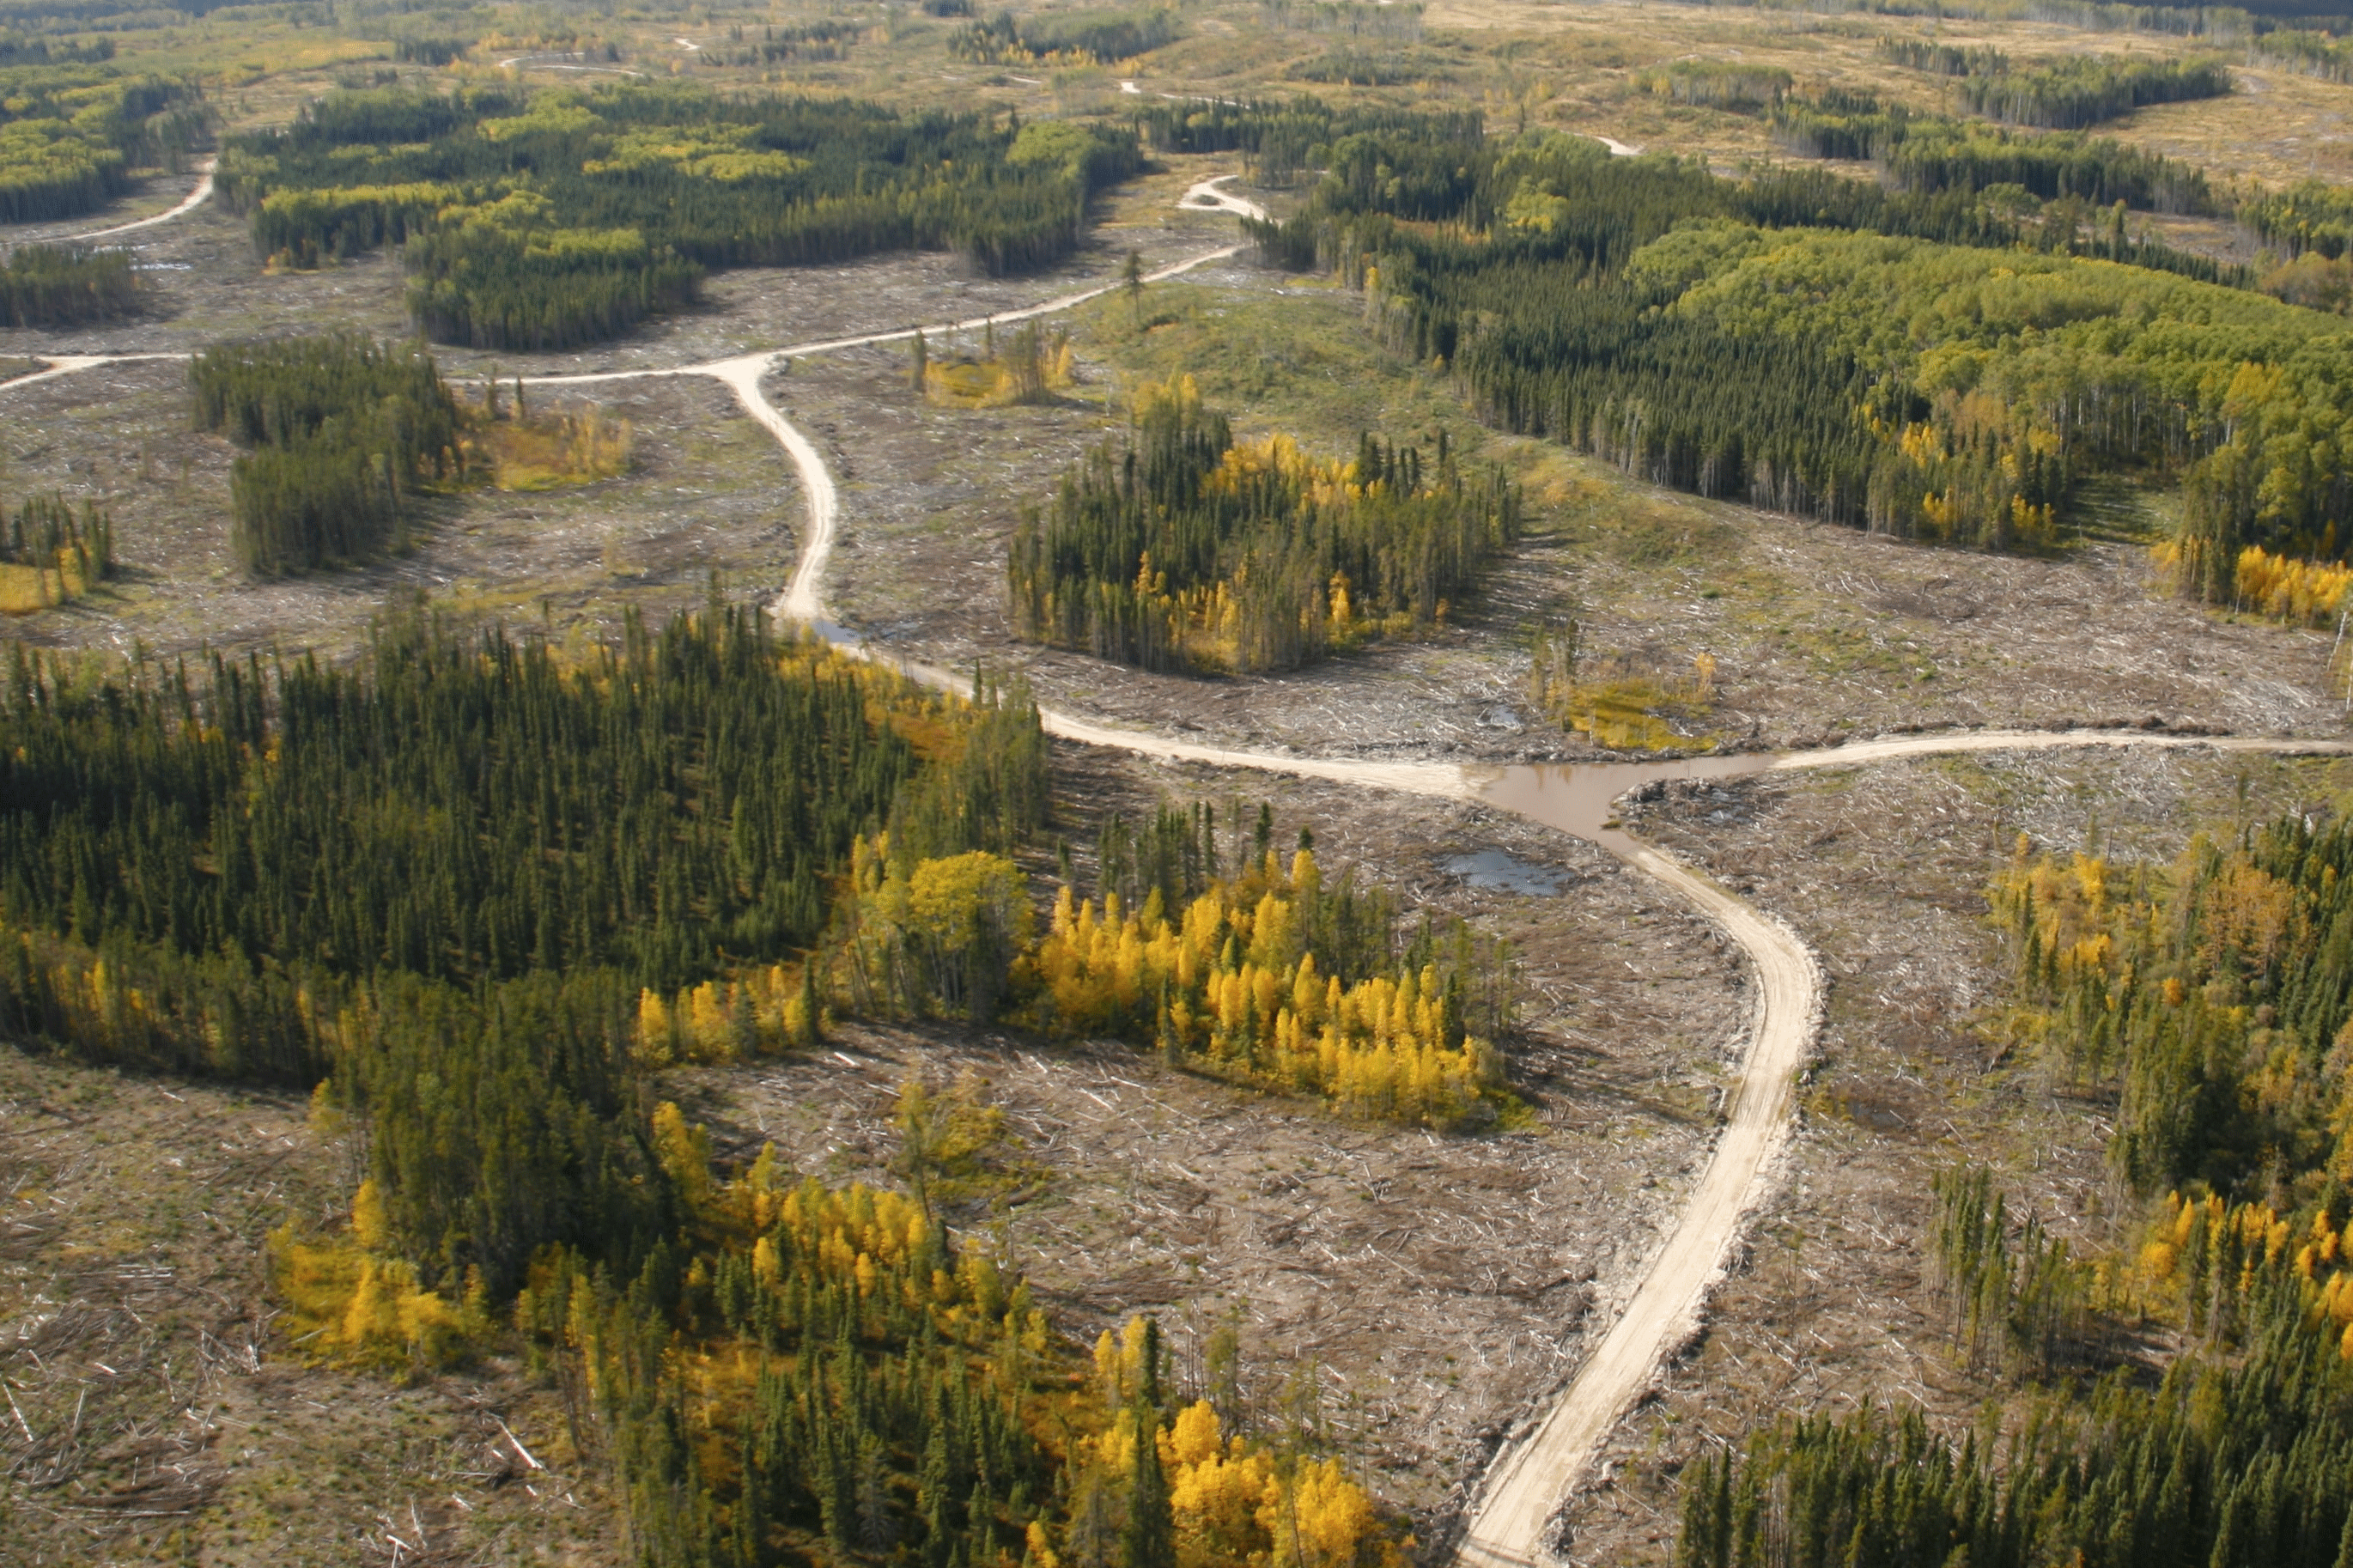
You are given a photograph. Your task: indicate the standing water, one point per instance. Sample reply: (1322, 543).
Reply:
(1577, 797)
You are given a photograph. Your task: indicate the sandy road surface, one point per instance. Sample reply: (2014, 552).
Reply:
(1533, 1476)
(188, 204)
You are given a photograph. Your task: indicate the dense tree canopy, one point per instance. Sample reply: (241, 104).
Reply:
(1900, 361)
(1184, 550)
(339, 431)
(548, 219)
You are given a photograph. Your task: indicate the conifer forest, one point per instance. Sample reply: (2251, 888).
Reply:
(1252, 784)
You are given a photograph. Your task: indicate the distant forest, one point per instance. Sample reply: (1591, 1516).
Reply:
(73, 126)
(1789, 339)
(549, 219)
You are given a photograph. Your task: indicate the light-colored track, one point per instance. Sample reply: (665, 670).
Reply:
(187, 205)
(1530, 1478)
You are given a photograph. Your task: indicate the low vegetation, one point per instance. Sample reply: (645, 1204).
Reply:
(522, 449)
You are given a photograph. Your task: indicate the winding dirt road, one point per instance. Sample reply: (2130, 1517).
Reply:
(1533, 1474)
(195, 198)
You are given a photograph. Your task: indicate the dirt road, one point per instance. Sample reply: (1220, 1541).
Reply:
(1533, 1476)
(188, 203)
(1534, 1472)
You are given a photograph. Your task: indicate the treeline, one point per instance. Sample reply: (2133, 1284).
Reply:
(60, 286)
(563, 217)
(339, 431)
(1080, 38)
(1280, 140)
(2162, 983)
(2304, 52)
(2070, 93)
(800, 43)
(20, 49)
(70, 134)
(1932, 153)
(1179, 550)
(463, 810)
(1941, 60)
(1574, 296)
(2239, 1460)
(2212, 994)
(1716, 84)
(2312, 216)
(875, 1387)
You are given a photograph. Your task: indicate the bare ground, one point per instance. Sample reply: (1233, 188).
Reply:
(157, 1413)
(709, 493)
(1441, 1285)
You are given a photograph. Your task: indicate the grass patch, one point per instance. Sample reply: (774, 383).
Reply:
(1299, 360)
(549, 451)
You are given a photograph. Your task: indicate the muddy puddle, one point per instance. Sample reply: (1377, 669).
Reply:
(1578, 797)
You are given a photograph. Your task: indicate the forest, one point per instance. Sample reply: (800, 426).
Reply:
(2075, 91)
(452, 887)
(72, 129)
(2305, 52)
(339, 432)
(1075, 37)
(1178, 549)
(1841, 352)
(55, 286)
(1929, 153)
(550, 219)
(2213, 996)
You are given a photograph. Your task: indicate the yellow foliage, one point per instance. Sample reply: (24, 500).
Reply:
(1379, 1048)
(349, 1305)
(1027, 369)
(371, 1227)
(1330, 1515)
(758, 1013)
(2283, 588)
(1225, 1498)
(544, 454)
(26, 589)
(685, 1155)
